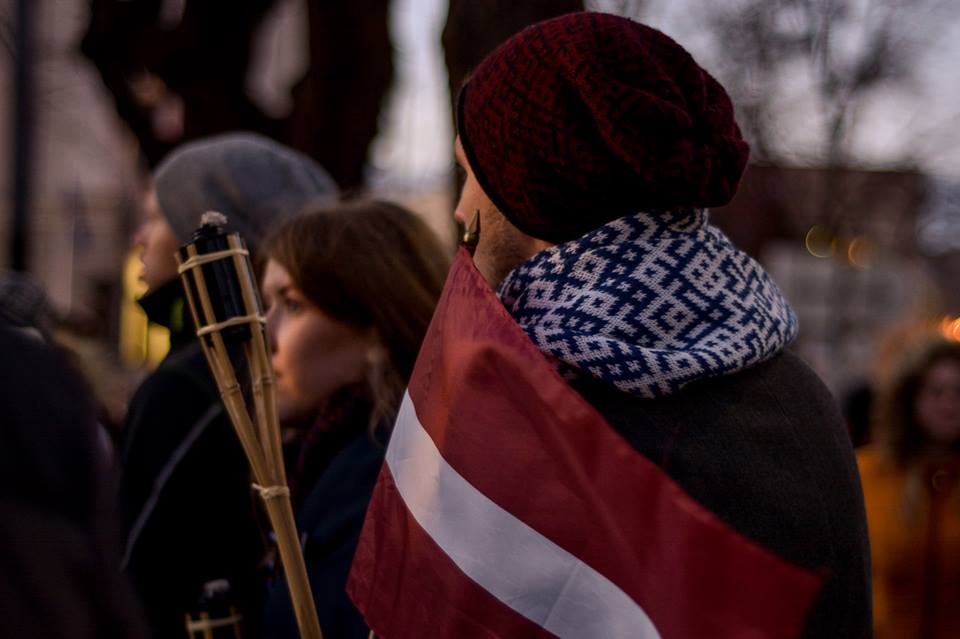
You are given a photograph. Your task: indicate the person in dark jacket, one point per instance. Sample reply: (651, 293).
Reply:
(592, 147)
(58, 561)
(190, 520)
(344, 334)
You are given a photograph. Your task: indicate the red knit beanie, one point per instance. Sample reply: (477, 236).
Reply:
(588, 117)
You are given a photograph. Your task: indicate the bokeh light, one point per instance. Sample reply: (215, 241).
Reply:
(861, 252)
(820, 241)
(950, 328)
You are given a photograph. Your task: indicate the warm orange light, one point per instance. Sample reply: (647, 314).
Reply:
(950, 328)
(860, 252)
(820, 241)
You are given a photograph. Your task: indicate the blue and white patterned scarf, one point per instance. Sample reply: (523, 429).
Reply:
(650, 302)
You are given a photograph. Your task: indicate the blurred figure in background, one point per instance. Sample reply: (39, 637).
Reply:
(349, 292)
(857, 407)
(25, 306)
(189, 514)
(58, 566)
(911, 483)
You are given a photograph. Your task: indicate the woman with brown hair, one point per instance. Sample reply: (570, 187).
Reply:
(911, 485)
(349, 291)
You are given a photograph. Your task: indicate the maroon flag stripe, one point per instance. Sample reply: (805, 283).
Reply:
(504, 420)
(530, 574)
(407, 587)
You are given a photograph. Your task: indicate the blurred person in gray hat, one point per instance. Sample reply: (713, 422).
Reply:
(24, 304)
(190, 520)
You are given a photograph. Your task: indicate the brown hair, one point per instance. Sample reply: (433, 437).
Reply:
(372, 264)
(897, 428)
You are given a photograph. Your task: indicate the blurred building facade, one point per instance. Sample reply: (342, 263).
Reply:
(84, 167)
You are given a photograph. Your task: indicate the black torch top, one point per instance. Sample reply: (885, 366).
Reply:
(222, 277)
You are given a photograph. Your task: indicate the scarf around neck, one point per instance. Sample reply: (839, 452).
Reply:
(650, 302)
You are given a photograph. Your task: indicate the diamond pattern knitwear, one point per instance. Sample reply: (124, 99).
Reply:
(650, 302)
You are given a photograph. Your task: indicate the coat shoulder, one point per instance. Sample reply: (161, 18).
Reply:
(767, 451)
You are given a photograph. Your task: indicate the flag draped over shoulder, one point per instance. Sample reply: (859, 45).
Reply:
(508, 507)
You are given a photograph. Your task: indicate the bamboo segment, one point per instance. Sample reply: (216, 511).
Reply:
(281, 515)
(259, 434)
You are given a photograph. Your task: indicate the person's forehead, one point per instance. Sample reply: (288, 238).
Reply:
(275, 275)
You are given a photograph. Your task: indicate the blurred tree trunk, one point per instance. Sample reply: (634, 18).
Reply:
(118, 37)
(337, 103)
(180, 76)
(22, 131)
(193, 62)
(206, 61)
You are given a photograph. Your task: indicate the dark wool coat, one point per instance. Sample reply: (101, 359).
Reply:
(330, 520)
(188, 507)
(767, 451)
(58, 572)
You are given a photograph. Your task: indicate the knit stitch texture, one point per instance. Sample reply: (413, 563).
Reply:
(585, 118)
(650, 302)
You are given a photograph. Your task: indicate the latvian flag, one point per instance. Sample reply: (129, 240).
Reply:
(508, 507)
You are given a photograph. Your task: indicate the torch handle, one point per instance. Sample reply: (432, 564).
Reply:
(239, 308)
(281, 517)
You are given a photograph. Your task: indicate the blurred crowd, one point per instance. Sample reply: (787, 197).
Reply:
(127, 507)
(344, 332)
(188, 533)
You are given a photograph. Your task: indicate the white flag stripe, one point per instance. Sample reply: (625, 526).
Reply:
(516, 564)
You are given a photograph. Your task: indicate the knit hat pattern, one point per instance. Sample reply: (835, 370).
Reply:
(585, 118)
(256, 182)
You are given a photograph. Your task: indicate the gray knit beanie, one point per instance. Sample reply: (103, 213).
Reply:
(254, 181)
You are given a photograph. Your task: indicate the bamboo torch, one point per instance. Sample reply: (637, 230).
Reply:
(222, 295)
